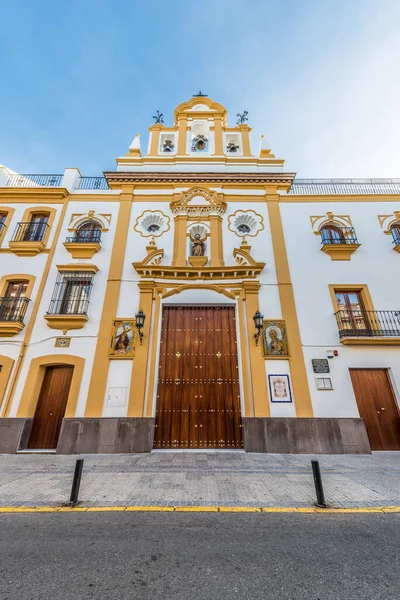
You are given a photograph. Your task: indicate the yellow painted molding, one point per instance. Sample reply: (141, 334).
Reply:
(243, 349)
(72, 267)
(298, 371)
(217, 251)
(370, 341)
(98, 379)
(34, 194)
(9, 212)
(154, 349)
(7, 279)
(396, 248)
(340, 251)
(198, 261)
(179, 255)
(82, 249)
(26, 248)
(362, 288)
(10, 328)
(198, 286)
(66, 322)
(7, 364)
(34, 380)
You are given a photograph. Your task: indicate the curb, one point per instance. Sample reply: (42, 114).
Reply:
(220, 509)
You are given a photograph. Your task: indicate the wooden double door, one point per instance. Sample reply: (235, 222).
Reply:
(51, 407)
(198, 400)
(378, 407)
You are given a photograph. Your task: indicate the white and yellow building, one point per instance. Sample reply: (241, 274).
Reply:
(81, 256)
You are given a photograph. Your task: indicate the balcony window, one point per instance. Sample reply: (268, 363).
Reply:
(395, 230)
(33, 230)
(332, 234)
(3, 217)
(14, 304)
(71, 293)
(87, 232)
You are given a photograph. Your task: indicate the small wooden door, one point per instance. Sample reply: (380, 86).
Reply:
(198, 403)
(50, 408)
(378, 407)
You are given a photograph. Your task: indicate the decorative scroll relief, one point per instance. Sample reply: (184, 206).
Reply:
(199, 202)
(245, 223)
(318, 221)
(104, 220)
(387, 221)
(152, 223)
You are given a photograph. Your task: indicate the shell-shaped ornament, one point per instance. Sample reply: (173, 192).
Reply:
(245, 223)
(152, 223)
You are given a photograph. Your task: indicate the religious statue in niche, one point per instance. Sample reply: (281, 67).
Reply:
(198, 246)
(275, 343)
(123, 339)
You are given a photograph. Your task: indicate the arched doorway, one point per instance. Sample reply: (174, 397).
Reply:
(198, 394)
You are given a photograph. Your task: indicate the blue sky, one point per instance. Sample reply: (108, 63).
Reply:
(320, 79)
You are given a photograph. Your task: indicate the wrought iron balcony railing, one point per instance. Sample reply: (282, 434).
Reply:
(13, 309)
(92, 183)
(395, 236)
(86, 237)
(29, 232)
(71, 294)
(339, 235)
(69, 306)
(34, 180)
(368, 323)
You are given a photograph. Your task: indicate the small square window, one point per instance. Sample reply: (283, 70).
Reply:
(324, 383)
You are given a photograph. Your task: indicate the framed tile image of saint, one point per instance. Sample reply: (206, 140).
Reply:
(123, 339)
(274, 337)
(279, 389)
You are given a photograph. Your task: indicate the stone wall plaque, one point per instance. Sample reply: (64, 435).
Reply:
(320, 365)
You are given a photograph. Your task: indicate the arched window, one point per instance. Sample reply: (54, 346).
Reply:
(89, 231)
(332, 234)
(395, 229)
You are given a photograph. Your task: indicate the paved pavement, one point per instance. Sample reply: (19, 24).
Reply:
(186, 556)
(201, 479)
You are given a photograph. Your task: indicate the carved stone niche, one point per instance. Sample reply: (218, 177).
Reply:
(198, 245)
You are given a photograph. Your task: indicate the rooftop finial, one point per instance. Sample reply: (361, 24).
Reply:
(200, 95)
(158, 117)
(242, 117)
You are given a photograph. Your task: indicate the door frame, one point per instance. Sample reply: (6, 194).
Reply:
(34, 380)
(157, 334)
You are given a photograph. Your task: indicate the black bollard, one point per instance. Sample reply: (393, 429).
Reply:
(320, 503)
(76, 482)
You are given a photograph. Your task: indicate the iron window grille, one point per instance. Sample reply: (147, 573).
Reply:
(13, 309)
(368, 323)
(338, 235)
(30, 231)
(89, 232)
(71, 295)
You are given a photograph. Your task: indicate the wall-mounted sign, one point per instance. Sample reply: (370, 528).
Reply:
(320, 365)
(279, 388)
(324, 383)
(62, 342)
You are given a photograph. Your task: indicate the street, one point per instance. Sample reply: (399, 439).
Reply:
(216, 556)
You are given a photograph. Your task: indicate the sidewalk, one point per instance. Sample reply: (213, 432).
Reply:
(201, 479)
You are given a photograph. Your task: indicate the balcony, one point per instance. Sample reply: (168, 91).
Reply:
(70, 303)
(339, 242)
(92, 183)
(395, 236)
(12, 313)
(35, 180)
(28, 238)
(379, 327)
(84, 245)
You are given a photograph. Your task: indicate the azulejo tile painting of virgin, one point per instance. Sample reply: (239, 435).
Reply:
(123, 339)
(275, 343)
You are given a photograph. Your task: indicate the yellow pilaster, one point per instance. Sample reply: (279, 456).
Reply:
(296, 360)
(180, 224)
(182, 124)
(217, 256)
(98, 380)
(155, 139)
(153, 356)
(257, 363)
(248, 407)
(245, 131)
(218, 136)
(140, 362)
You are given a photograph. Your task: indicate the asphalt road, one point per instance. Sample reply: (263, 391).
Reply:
(194, 556)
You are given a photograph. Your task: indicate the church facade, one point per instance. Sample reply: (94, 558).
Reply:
(198, 297)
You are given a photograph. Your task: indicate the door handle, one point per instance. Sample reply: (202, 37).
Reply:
(383, 408)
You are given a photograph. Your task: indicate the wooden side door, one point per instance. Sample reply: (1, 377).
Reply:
(378, 407)
(50, 408)
(198, 402)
